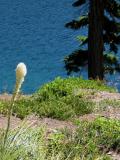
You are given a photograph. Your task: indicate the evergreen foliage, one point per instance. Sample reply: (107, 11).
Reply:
(111, 37)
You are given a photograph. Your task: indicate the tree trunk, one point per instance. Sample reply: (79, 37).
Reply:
(95, 40)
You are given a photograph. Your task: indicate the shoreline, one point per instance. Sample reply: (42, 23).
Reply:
(7, 96)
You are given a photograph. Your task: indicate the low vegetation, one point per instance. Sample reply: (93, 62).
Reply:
(64, 99)
(91, 141)
(61, 99)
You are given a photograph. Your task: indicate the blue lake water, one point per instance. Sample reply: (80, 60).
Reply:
(33, 32)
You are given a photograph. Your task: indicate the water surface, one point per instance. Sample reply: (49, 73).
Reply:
(33, 32)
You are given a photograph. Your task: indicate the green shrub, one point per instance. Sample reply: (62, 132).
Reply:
(60, 108)
(93, 139)
(23, 107)
(61, 98)
(104, 133)
(3, 107)
(63, 87)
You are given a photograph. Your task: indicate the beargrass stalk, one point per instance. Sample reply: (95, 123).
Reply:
(21, 72)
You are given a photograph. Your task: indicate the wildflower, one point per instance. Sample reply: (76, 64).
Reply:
(21, 72)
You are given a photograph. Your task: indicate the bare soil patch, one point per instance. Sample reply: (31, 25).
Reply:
(105, 95)
(52, 124)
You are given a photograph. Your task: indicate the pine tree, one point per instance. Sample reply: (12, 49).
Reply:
(102, 19)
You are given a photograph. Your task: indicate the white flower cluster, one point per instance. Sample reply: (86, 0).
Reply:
(21, 72)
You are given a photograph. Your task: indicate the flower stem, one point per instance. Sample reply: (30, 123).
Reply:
(9, 119)
(17, 87)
